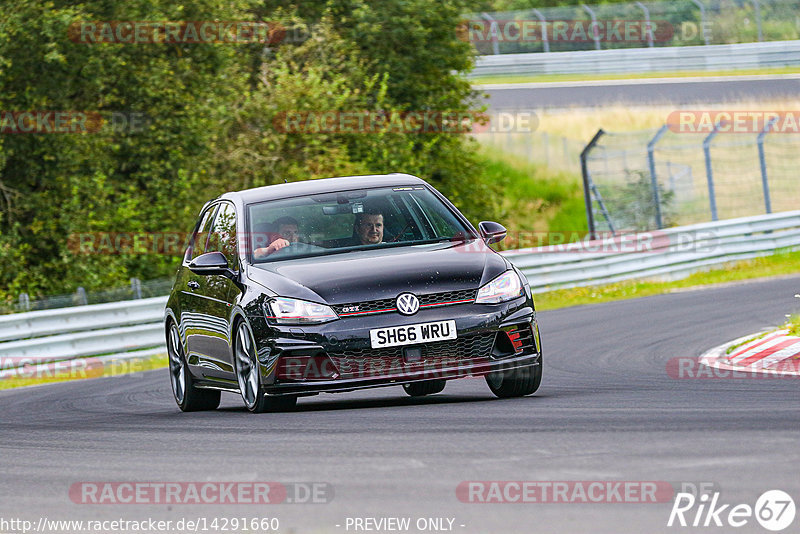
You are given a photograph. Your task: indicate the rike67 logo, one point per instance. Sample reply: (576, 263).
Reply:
(774, 510)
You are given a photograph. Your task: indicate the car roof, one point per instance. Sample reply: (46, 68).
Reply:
(323, 185)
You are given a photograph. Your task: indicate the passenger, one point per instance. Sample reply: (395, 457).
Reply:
(288, 233)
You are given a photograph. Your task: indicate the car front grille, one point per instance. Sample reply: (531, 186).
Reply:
(430, 300)
(435, 356)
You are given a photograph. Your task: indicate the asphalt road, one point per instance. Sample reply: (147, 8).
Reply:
(607, 410)
(644, 92)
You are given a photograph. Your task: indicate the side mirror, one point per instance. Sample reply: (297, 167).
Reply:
(211, 263)
(492, 232)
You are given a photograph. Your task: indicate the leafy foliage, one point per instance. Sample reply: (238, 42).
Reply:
(209, 111)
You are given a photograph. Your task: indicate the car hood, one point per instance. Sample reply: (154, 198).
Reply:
(359, 276)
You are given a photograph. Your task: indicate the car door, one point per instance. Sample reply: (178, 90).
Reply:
(217, 294)
(189, 284)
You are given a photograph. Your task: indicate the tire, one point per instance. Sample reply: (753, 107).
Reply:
(248, 375)
(420, 389)
(188, 397)
(515, 382)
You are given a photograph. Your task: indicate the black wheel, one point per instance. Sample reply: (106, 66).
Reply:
(249, 376)
(188, 397)
(515, 382)
(420, 389)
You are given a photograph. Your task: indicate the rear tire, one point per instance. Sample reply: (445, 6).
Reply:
(428, 387)
(515, 382)
(248, 374)
(188, 397)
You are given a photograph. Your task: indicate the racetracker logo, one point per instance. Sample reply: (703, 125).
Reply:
(570, 491)
(733, 121)
(173, 32)
(200, 493)
(567, 31)
(688, 368)
(404, 122)
(71, 122)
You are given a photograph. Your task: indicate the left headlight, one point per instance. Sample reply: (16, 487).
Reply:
(505, 287)
(284, 310)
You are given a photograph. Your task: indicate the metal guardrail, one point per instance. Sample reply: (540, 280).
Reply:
(120, 327)
(667, 254)
(80, 318)
(684, 58)
(114, 328)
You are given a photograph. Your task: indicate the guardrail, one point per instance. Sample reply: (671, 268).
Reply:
(683, 58)
(111, 329)
(670, 254)
(119, 328)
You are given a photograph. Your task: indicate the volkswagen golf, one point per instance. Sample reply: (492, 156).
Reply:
(340, 284)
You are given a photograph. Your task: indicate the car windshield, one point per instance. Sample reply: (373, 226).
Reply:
(334, 223)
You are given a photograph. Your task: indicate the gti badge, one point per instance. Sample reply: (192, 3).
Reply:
(407, 304)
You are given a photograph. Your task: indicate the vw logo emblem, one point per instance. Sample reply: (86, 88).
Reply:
(407, 304)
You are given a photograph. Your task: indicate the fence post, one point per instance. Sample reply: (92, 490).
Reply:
(595, 31)
(758, 20)
(712, 200)
(702, 20)
(136, 288)
(587, 192)
(763, 162)
(545, 40)
(493, 29)
(651, 161)
(648, 26)
(81, 295)
(24, 302)
(546, 142)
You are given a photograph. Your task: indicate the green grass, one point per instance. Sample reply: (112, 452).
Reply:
(782, 263)
(793, 324)
(539, 203)
(117, 368)
(540, 78)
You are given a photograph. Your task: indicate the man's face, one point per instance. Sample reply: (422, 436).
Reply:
(289, 232)
(370, 230)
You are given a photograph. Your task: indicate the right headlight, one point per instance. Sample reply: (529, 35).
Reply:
(284, 310)
(505, 287)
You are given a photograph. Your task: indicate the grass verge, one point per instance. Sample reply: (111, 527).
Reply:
(538, 202)
(93, 369)
(793, 324)
(781, 263)
(542, 78)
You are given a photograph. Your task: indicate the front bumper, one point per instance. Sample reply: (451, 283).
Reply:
(346, 343)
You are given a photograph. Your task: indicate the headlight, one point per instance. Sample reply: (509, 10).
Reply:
(505, 287)
(293, 311)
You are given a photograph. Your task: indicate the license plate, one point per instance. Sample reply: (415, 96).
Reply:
(395, 336)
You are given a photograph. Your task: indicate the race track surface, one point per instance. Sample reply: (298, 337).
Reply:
(607, 410)
(643, 92)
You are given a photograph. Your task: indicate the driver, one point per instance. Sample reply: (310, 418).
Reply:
(288, 233)
(368, 227)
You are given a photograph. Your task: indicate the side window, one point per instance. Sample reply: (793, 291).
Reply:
(223, 234)
(197, 245)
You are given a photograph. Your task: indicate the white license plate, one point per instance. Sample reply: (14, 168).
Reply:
(412, 334)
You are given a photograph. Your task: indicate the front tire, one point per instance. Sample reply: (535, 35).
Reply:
(420, 389)
(515, 382)
(248, 374)
(189, 397)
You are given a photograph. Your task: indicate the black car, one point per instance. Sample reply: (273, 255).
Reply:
(341, 284)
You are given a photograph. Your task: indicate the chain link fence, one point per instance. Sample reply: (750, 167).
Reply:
(136, 290)
(656, 23)
(653, 179)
